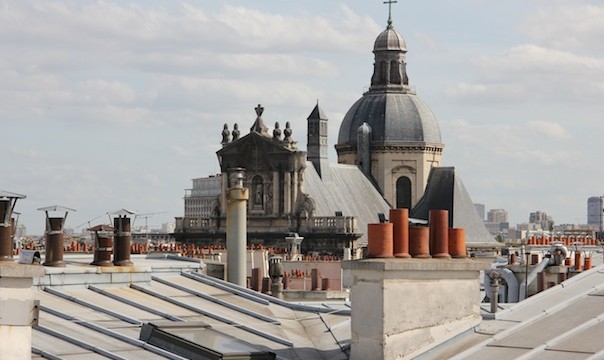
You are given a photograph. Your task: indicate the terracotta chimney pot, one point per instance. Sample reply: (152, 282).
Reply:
(419, 241)
(379, 240)
(400, 221)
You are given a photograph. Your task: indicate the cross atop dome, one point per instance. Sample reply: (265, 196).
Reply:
(390, 2)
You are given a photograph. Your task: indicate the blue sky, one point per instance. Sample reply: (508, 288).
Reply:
(108, 105)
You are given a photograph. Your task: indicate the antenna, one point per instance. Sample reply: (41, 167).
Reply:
(147, 216)
(87, 222)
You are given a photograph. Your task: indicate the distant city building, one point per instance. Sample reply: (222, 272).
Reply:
(496, 222)
(68, 232)
(202, 199)
(595, 209)
(541, 221)
(168, 228)
(481, 210)
(497, 216)
(20, 231)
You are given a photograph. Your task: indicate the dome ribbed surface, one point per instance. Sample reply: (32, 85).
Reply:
(394, 118)
(389, 39)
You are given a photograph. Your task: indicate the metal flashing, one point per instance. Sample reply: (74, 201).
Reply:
(218, 301)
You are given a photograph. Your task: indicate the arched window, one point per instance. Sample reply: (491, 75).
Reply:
(403, 193)
(258, 192)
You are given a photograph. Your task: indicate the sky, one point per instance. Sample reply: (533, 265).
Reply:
(107, 105)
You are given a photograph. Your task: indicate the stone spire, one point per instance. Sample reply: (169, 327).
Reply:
(317, 151)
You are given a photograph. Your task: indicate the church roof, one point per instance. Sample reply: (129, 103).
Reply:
(394, 117)
(446, 191)
(348, 190)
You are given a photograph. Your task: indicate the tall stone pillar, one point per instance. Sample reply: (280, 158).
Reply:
(287, 185)
(294, 189)
(236, 228)
(276, 190)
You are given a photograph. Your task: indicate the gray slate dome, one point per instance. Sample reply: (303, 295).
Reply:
(394, 118)
(389, 39)
(391, 109)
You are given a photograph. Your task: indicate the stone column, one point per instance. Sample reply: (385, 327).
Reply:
(294, 189)
(236, 230)
(18, 309)
(401, 306)
(287, 193)
(275, 193)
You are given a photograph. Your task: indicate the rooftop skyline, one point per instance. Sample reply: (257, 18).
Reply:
(109, 105)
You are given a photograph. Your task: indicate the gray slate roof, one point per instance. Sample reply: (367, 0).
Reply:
(394, 118)
(347, 190)
(445, 190)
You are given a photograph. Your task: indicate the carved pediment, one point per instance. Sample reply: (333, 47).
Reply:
(254, 152)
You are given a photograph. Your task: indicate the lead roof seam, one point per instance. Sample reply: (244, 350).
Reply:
(111, 333)
(92, 306)
(135, 304)
(217, 301)
(214, 316)
(558, 339)
(78, 342)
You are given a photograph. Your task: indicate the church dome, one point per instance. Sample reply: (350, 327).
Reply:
(395, 114)
(394, 118)
(391, 40)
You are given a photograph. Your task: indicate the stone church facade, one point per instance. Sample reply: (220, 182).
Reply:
(291, 191)
(388, 143)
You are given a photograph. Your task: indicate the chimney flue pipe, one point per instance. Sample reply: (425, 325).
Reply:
(54, 235)
(8, 201)
(123, 239)
(236, 227)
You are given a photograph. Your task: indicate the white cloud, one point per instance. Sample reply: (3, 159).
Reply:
(549, 129)
(528, 73)
(533, 142)
(128, 65)
(568, 25)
